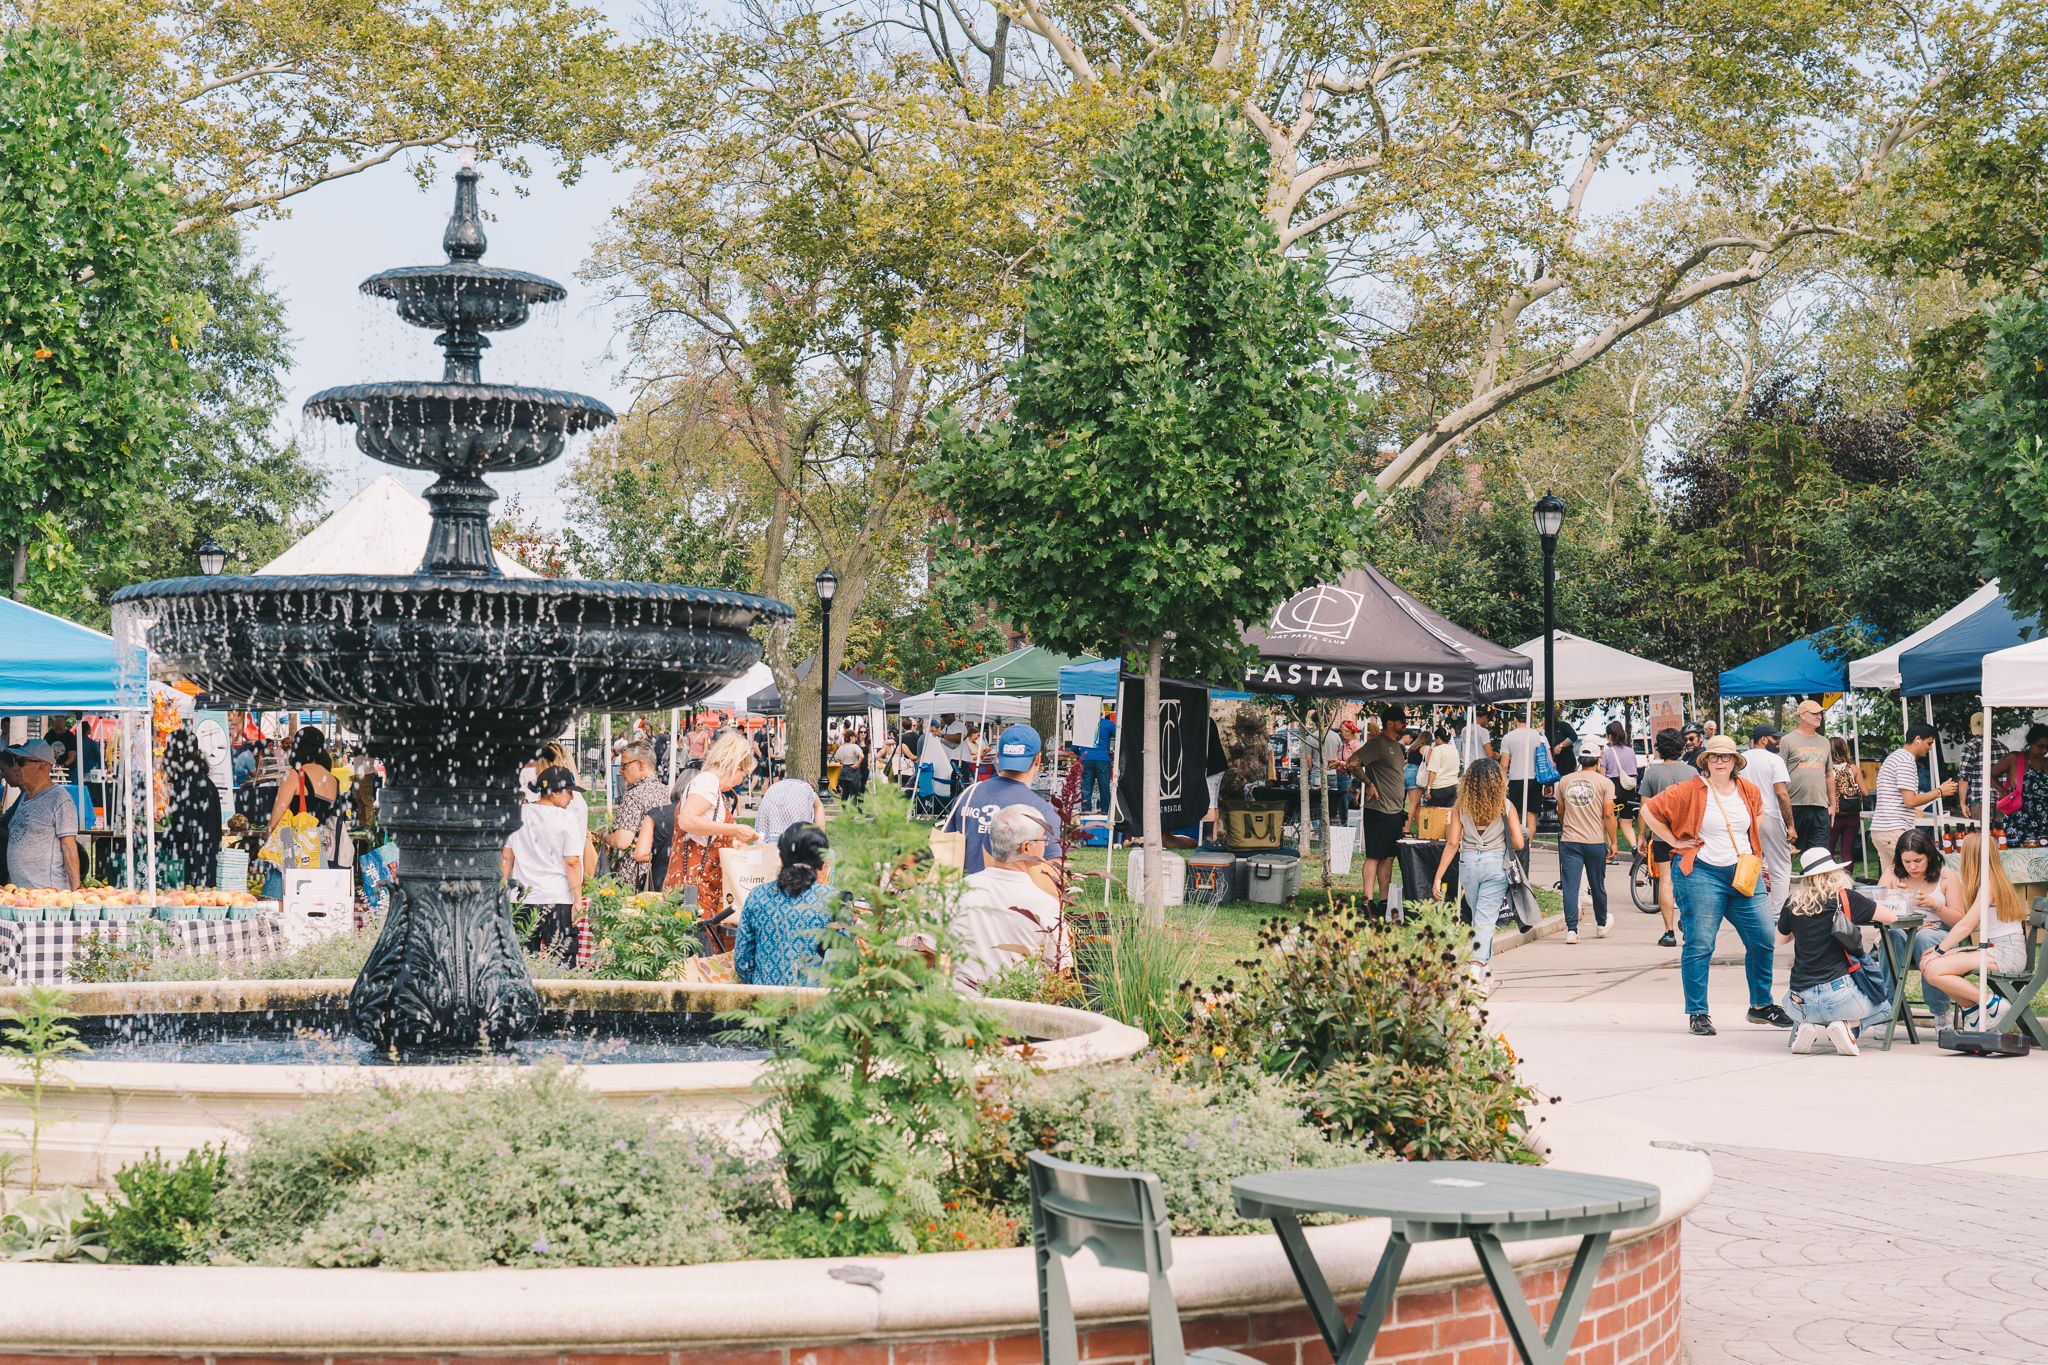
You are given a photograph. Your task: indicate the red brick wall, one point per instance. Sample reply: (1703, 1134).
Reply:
(1632, 1319)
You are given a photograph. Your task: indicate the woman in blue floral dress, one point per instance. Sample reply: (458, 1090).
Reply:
(781, 921)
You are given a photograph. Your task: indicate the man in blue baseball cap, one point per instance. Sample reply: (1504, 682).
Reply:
(1017, 754)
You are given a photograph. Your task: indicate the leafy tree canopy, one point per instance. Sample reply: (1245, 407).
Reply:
(2003, 436)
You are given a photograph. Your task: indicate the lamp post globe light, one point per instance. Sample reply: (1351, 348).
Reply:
(828, 583)
(212, 557)
(1549, 512)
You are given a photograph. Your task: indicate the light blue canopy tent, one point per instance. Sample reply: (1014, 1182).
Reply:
(51, 664)
(1094, 679)
(1953, 661)
(1794, 670)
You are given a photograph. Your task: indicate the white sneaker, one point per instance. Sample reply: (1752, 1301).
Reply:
(1991, 1012)
(1805, 1038)
(1845, 1043)
(1599, 931)
(1571, 936)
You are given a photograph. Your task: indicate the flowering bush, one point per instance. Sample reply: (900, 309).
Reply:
(1383, 1026)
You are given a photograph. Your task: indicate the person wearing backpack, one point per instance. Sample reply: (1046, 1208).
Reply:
(1833, 991)
(1618, 766)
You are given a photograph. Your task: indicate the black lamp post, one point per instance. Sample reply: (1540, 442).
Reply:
(828, 583)
(1549, 521)
(212, 557)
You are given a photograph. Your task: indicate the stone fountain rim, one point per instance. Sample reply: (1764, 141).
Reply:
(599, 589)
(1074, 1038)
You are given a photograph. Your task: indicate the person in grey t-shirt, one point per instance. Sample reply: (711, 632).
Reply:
(42, 831)
(1667, 772)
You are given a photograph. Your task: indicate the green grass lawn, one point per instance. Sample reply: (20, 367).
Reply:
(1230, 931)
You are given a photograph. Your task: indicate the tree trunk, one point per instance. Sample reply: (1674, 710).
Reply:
(1155, 872)
(1322, 730)
(20, 567)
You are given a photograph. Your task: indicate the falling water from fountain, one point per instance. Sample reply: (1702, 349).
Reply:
(455, 673)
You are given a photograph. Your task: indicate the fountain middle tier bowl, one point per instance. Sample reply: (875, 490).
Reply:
(449, 425)
(451, 646)
(463, 295)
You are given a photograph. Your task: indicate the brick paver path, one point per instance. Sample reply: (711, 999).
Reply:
(1803, 1259)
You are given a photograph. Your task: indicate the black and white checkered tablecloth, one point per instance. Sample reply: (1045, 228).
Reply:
(41, 951)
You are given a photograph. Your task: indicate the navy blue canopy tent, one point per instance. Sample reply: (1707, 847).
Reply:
(1953, 661)
(1794, 670)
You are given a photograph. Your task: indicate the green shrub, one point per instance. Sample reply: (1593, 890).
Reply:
(1382, 1024)
(644, 937)
(872, 1085)
(1135, 1116)
(1137, 973)
(522, 1167)
(165, 1213)
(105, 956)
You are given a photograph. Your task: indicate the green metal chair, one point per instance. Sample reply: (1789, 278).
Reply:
(2019, 988)
(1120, 1216)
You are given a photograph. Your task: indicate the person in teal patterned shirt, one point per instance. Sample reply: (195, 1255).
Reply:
(781, 921)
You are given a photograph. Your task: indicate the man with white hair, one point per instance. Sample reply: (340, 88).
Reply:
(1006, 916)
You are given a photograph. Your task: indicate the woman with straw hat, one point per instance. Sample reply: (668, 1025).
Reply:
(1713, 825)
(1826, 996)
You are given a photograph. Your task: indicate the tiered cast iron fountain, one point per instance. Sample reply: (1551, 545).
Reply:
(453, 674)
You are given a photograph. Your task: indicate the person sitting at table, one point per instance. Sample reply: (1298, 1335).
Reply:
(2002, 911)
(1824, 997)
(1916, 867)
(1482, 838)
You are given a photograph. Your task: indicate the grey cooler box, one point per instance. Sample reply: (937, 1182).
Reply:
(1272, 878)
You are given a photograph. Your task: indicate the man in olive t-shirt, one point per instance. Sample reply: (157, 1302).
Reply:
(1381, 764)
(1808, 757)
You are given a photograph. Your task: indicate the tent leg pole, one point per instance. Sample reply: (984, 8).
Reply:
(1934, 761)
(1984, 845)
(1116, 748)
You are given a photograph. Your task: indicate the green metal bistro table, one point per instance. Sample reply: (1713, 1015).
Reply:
(1485, 1202)
(1897, 962)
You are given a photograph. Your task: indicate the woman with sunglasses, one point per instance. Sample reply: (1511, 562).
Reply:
(1710, 824)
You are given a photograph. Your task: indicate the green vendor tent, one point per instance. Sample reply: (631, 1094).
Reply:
(1027, 672)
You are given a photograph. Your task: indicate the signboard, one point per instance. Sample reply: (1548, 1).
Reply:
(319, 902)
(1666, 713)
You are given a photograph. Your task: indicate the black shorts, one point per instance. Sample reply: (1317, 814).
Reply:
(1442, 797)
(1660, 855)
(1379, 831)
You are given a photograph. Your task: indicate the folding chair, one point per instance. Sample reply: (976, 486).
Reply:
(930, 800)
(2021, 987)
(1121, 1216)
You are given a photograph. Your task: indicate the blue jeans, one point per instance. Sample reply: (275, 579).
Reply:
(1840, 998)
(1593, 858)
(1483, 876)
(1094, 778)
(1925, 937)
(273, 882)
(1705, 897)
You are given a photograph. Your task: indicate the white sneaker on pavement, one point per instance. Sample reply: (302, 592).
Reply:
(1599, 931)
(1803, 1041)
(1845, 1043)
(1571, 936)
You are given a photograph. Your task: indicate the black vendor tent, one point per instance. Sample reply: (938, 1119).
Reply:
(1363, 637)
(849, 696)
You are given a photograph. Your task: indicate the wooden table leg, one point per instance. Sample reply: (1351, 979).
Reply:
(1548, 1348)
(1353, 1346)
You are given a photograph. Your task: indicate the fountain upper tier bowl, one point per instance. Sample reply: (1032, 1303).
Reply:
(420, 424)
(452, 646)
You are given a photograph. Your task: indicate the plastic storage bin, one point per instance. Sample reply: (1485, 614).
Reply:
(1211, 878)
(1275, 877)
(1171, 863)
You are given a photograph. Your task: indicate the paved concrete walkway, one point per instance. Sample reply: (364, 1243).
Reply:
(1860, 1205)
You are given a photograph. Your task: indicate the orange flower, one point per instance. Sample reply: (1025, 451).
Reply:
(42, 355)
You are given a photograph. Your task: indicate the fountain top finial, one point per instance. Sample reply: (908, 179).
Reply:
(465, 240)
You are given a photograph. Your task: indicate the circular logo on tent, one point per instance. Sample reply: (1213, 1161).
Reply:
(1323, 610)
(999, 682)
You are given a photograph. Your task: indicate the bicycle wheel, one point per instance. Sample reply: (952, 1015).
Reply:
(1642, 887)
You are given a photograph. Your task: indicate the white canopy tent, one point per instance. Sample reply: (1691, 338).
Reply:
(1881, 670)
(733, 696)
(1588, 670)
(925, 705)
(2012, 677)
(381, 530)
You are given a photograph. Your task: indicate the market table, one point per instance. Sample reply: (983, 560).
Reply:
(40, 951)
(1417, 859)
(1486, 1202)
(1898, 963)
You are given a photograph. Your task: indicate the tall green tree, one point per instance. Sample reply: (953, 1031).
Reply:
(1181, 413)
(90, 368)
(2003, 436)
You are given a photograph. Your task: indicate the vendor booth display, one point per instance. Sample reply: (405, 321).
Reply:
(41, 952)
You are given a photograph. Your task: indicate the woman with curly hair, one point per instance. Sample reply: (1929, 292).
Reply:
(1483, 837)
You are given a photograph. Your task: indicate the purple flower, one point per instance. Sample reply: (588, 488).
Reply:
(540, 1245)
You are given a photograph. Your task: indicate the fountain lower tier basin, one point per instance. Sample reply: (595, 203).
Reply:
(117, 1111)
(459, 648)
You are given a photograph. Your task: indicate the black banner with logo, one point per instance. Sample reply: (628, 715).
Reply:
(1183, 753)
